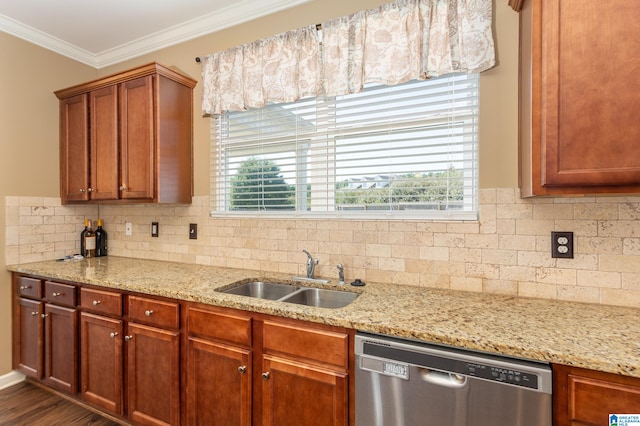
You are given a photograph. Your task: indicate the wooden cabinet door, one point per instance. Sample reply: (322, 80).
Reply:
(153, 375)
(218, 384)
(104, 144)
(137, 138)
(579, 89)
(586, 397)
(296, 394)
(591, 85)
(74, 148)
(61, 348)
(29, 330)
(101, 368)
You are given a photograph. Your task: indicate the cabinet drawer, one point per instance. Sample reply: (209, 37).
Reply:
(101, 302)
(325, 347)
(154, 312)
(231, 328)
(60, 294)
(29, 287)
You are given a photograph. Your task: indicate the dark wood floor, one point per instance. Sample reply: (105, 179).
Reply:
(27, 404)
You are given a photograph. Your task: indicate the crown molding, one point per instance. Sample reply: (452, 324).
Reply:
(235, 14)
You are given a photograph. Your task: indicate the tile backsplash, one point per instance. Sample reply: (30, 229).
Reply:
(508, 251)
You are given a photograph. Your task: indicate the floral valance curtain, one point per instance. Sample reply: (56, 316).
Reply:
(391, 44)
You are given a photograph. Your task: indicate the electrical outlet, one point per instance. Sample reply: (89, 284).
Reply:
(193, 231)
(128, 229)
(562, 245)
(155, 229)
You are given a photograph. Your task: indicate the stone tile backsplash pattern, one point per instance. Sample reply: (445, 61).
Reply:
(507, 251)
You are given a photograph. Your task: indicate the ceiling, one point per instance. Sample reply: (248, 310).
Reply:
(101, 33)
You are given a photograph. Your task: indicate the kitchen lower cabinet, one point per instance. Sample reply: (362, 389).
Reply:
(584, 397)
(296, 393)
(305, 374)
(60, 348)
(102, 361)
(142, 352)
(219, 367)
(219, 384)
(45, 332)
(29, 334)
(153, 361)
(252, 369)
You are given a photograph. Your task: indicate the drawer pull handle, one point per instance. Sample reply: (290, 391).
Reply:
(25, 287)
(148, 313)
(56, 294)
(44, 316)
(242, 369)
(128, 338)
(113, 335)
(96, 302)
(34, 314)
(265, 375)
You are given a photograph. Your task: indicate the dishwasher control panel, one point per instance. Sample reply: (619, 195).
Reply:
(504, 375)
(395, 359)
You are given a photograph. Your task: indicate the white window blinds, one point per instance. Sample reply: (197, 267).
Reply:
(401, 151)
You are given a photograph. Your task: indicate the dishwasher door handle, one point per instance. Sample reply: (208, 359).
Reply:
(450, 380)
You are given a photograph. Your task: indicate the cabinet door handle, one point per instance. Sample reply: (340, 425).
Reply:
(56, 294)
(128, 338)
(113, 335)
(89, 189)
(44, 316)
(123, 187)
(242, 369)
(34, 314)
(96, 302)
(265, 375)
(82, 190)
(148, 313)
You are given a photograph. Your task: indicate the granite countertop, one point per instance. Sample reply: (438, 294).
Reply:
(599, 337)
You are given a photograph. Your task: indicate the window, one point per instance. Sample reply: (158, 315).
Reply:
(404, 151)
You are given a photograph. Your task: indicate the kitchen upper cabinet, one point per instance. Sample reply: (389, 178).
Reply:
(128, 138)
(579, 108)
(586, 398)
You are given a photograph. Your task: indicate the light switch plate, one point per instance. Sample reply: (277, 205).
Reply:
(128, 229)
(155, 229)
(193, 231)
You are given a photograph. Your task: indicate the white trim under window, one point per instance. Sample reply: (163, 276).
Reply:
(408, 151)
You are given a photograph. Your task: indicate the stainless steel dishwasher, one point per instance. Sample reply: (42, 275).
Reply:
(407, 383)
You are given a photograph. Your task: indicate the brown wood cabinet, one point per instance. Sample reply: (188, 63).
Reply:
(142, 352)
(579, 109)
(220, 367)
(128, 138)
(45, 332)
(586, 398)
(152, 343)
(250, 369)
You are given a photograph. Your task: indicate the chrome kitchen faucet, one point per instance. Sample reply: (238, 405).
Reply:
(311, 264)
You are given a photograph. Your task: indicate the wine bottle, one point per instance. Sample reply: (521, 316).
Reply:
(101, 240)
(89, 242)
(84, 231)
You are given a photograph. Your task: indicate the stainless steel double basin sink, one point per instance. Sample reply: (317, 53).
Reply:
(291, 293)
